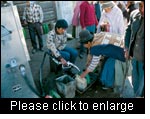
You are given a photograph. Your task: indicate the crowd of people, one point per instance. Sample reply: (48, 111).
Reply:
(90, 18)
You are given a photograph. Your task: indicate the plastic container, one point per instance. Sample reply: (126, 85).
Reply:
(66, 86)
(54, 94)
(45, 28)
(24, 33)
(81, 83)
(88, 79)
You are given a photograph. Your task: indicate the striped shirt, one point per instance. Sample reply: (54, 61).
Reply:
(94, 62)
(33, 14)
(56, 42)
(115, 19)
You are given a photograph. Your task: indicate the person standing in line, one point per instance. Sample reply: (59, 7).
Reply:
(134, 44)
(98, 10)
(111, 21)
(130, 7)
(33, 17)
(76, 19)
(122, 6)
(88, 20)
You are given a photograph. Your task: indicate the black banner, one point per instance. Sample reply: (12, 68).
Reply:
(72, 106)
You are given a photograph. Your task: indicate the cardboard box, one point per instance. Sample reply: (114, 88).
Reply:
(108, 38)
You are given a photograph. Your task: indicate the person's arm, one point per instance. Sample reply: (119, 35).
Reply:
(121, 26)
(96, 21)
(82, 16)
(127, 37)
(103, 17)
(51, 45)
(24, 16)
(41, 15)
(85, 73)
(128, 32)
(92, 66)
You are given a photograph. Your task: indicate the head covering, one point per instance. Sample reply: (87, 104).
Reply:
(85, 36)
(61, 23)
(106, 4)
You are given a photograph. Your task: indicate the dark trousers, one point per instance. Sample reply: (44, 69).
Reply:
(35, 28)
(138, 77)
(69, 54)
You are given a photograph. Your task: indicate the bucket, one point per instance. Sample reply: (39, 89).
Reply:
(24, 33)
(88, 79)
(45, 28)
(54, 94)
(81, 83)
(66, 86)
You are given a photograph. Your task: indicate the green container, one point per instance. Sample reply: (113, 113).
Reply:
(54, 94)
(45, 28)
(24, 33)
(88, 79)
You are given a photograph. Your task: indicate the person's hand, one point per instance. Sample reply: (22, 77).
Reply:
(24, 22)
(84, 73)
(63, 61)
(102, 27)
(126, 54)
(84, 28)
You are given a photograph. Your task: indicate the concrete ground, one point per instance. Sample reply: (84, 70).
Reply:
(94, 91)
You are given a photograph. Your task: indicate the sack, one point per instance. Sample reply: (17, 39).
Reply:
(81, 83)
(106, 38)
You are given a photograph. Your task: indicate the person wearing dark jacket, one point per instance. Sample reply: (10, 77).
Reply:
(130, 7)
(134, 43)
(97, 48)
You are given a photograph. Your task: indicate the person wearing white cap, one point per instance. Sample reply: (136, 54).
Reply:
(112, 15)
(111, 21)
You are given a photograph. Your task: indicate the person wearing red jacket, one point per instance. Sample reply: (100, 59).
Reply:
(88, 20)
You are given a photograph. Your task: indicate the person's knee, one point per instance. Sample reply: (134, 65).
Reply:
(67, 57)
(75, 53)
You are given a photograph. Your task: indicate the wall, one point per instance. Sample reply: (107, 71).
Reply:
(48, 7)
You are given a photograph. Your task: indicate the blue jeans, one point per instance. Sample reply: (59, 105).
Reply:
(108, 73)
(138, 77)
(69, 54)
(91, 29)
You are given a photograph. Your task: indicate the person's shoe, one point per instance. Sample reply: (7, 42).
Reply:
(41, 49)
(106, 88)
(34, 51)
(81, 55)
